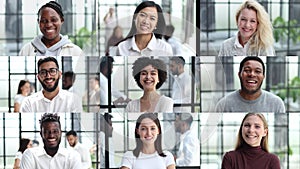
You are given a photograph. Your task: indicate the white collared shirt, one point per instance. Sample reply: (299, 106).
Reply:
(85, 155)
(189, 150)
(64, 101)
(37, 158)
(156, 47)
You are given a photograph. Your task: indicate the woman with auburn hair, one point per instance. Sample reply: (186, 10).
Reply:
(251, 150)
(255, 32)
(148, 153)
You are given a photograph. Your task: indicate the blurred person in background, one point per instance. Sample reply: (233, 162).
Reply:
(23, 91)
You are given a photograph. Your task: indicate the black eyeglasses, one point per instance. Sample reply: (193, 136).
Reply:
(51, 71)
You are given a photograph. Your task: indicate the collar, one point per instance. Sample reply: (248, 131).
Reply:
(151, 44)
(41, 95)
(42, 152)
(237, 43)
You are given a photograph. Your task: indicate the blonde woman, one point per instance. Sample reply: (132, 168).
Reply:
(255, 32)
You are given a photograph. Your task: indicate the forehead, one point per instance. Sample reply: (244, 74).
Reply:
(253, 64)
(48, 65)
(248, 13)
(50, 125)
(253, 119)
(149, 68)
(150, 11)
(47, 11)
(147, 122)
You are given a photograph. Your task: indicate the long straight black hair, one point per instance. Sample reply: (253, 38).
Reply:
(161, 23)
(157, 143)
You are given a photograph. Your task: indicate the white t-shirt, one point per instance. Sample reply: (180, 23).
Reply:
(156, 47)
(164, 105)
(37, 158)
(147, 161)
(64, 101)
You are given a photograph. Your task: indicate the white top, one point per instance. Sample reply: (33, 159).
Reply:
(37, 158)
(147, 161)
(189, 150)
(232, 47)
(19, 98)
(181, 91)
(68, 49)
(104, 91)
(156, 47)
(164, 105)
(18, 155)
(64, 101)
(85, 155)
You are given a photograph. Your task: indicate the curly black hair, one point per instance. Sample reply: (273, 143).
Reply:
(158, 64)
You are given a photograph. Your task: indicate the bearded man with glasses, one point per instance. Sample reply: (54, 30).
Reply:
(51, 98)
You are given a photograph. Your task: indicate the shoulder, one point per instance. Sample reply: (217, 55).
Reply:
(27, 50)
(128, 154)
(270, 95)
(166, 99)
(72, 49)
(228, 97)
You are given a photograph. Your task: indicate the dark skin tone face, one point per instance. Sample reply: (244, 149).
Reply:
(51, 135)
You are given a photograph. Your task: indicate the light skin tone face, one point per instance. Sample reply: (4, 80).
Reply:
(251, 77)
(50, 24)
(49, 82)
(51, 135)
(247, 25)
(146, 20)
(253, 130)
(174, 68)
(149, 78)
(148, 131)
(25, 89)
(72, 140)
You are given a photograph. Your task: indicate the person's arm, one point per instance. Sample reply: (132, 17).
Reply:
(172, 166)
(17, 164)
(86, 158)
(226, 162)
(188, 152)
(17, 107)
(75, 161)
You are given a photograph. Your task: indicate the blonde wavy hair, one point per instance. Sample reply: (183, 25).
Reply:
(263, 38)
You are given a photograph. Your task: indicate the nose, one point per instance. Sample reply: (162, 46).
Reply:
(148, 75)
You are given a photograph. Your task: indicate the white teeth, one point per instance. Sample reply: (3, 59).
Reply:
(51, 140)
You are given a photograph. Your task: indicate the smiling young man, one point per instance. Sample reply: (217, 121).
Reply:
(52, 155)
(51, 98)
(251, 98)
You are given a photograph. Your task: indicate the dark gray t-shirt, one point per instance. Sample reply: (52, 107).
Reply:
(265, 103)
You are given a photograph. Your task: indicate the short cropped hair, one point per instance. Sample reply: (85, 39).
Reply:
(49, 117)
(54, 5)
(255, 58)
(158, 64)
(47, 59)
(71, 132)
(178, 60)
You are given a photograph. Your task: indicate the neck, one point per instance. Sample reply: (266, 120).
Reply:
(243, 40)
(142, 40)
(48, 43)
(150, 95)
(250, 96)
(51, 152)
(51, 95)
(148, 149)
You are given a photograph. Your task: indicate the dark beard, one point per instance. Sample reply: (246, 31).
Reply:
(50, 89)
(250, 92)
